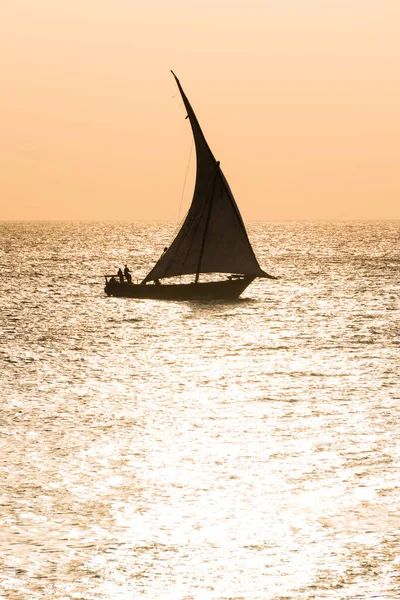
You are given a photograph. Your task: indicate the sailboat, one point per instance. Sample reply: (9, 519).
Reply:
(212, 240)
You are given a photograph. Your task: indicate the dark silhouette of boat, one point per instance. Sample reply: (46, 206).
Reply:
(212, 240)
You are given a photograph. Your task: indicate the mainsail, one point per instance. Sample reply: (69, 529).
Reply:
(213, 238)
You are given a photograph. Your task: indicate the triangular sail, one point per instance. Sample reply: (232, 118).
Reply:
(213, 237)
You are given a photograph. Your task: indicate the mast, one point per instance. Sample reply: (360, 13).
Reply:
(207, 222)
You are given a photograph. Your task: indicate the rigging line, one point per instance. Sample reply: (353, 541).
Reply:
(183, 192)
(184, 182)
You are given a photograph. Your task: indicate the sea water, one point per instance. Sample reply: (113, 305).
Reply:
(200, 450)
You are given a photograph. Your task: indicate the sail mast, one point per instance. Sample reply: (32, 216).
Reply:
(207, 224)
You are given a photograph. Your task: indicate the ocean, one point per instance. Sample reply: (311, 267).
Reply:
(191, 450)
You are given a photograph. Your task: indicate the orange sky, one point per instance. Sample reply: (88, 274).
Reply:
(298, 99)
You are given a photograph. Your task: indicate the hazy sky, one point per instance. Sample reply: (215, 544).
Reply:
(298, 99)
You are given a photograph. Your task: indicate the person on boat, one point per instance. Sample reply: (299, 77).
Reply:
(127, 274)
(120, 275)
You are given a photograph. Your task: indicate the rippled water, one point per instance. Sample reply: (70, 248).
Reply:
(165, 450)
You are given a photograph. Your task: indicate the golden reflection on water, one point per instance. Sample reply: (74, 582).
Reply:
(191, 450)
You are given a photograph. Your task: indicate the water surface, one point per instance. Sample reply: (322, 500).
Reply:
(178, 450)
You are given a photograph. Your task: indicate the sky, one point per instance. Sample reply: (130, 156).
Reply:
(298, 99)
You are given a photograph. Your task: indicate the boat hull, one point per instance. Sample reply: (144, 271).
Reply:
(215, 290)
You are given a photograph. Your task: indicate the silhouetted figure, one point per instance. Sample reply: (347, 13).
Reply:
(127, 274)
(120, 275)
